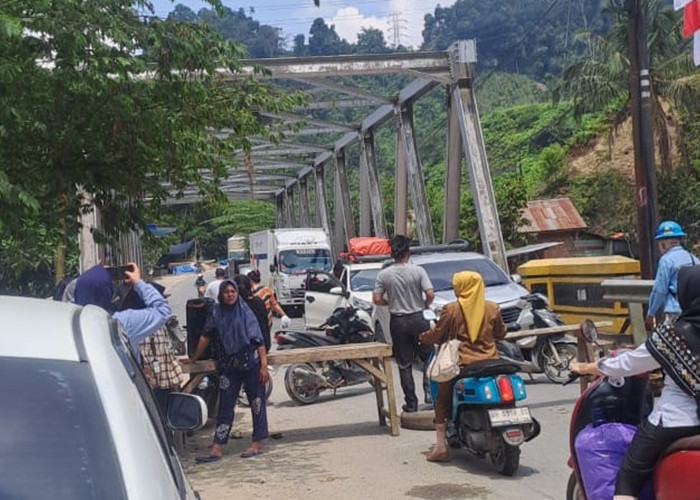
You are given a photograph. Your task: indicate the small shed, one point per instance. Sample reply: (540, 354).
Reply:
(555, 220)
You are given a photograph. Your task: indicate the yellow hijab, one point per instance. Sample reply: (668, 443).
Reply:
(469, 289)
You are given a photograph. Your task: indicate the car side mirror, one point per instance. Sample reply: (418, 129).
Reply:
(337, 290)
(516, 278)
(185, 412)
(273, 268)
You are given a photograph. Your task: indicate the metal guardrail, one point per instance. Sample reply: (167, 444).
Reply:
(635, 293)
(630, 290)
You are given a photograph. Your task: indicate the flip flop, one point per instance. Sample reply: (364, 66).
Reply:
(251, 453)
(207, 459)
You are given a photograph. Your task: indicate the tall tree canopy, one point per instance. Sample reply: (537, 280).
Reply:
(94, 95)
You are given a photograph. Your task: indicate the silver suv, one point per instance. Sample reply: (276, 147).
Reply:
(77, 418)
(441, 266)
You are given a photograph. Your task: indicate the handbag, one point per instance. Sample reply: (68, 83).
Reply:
(445, 364)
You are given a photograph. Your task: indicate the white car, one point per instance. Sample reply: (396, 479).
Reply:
(77, 418)
(441, 266)
(325, 293)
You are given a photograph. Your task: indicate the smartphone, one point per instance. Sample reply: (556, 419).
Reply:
(118, 272)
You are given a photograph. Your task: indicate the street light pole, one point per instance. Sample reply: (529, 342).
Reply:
(643, 137)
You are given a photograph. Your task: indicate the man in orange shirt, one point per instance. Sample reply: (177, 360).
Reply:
(267, 295)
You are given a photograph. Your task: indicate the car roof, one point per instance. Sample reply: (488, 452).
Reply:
(364, 265)
(424, 258)
(42, 328)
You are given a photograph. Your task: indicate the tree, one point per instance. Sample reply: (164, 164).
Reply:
(371, 41)
(72, 113)
(600, 81)
(324, 41)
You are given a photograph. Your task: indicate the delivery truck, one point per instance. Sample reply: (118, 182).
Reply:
(283, 257)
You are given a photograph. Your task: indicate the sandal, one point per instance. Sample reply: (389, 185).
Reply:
(251, 452)
(207, 459)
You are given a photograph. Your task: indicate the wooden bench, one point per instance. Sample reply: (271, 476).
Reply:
(373, 357)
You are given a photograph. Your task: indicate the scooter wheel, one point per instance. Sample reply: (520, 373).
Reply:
(418, 420)
(558, 372)
(505, 457)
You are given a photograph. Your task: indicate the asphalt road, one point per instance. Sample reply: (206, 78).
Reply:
(336, 449)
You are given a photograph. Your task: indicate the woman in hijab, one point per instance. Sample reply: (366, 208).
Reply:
(477, 323)
(242, 360)
(675, 348)
(245, 289)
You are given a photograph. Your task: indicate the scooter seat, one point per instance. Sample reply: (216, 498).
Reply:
(488, 368)
(686, 443)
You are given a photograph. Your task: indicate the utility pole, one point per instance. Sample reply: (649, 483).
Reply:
(642, 136)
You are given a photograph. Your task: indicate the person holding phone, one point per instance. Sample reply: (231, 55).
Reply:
(94, 287)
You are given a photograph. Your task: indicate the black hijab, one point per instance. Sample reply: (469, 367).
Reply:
(676, 346)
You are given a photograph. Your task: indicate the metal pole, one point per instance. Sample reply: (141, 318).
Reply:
(280, 215)
(305, 221)
(453, 174)
(365, 210)
(342, 176)
(321, 204)
(462, 56)
(400, 185)
(642, 137)
(424, 227)
(375, 192)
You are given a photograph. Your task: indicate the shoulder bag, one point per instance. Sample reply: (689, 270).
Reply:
(445, 363)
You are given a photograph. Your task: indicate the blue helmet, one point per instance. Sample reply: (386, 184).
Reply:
(669, 229)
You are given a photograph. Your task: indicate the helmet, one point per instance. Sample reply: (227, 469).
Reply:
(669, 229)
(199, 275)
(254, 275)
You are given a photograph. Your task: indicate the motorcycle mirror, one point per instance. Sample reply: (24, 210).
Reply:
(589, 330)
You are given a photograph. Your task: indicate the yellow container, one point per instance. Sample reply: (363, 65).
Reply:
(572, 285)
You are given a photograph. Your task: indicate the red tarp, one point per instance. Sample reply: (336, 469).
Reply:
(367, 245)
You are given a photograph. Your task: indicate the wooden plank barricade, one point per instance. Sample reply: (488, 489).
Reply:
(373, 357)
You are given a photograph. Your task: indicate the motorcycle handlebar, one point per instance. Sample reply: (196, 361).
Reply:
(572, 377)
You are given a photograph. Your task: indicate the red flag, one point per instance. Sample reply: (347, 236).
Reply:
(691, 18)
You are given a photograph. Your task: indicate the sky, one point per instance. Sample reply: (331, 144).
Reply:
(348, 16)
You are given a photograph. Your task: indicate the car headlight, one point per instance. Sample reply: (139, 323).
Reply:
(361, 304)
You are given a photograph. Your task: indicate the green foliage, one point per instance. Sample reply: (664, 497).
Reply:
(529, 36)
(594, 196)
(73, 114)
(679, 192)
(505, 90)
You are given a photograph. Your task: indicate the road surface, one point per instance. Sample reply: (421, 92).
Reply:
(335, 449)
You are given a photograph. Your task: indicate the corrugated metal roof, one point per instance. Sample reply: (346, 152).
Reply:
(558, 214)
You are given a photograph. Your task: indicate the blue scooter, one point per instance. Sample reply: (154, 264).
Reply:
(485, 418)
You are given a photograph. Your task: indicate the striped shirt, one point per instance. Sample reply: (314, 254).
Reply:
(266, 294)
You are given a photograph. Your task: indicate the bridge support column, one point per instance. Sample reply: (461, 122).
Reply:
(342, 199)
(291, 215)
(375, 192)
(280, 203)
(304, 219)
(365, 207)
(321, 200)
(400, 184)
(424, 227)
(453, 175)
(462, 57)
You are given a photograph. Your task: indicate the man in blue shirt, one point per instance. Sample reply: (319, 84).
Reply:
(662, 299)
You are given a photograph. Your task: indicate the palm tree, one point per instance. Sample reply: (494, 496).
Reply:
(599, 81)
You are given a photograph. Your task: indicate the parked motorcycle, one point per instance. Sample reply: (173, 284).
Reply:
(485, 418)
(609, 410)
(305, 381)
(548, 354)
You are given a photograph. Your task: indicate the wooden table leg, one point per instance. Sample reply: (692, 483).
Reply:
(391, 396)
(193, 382)
(379, 392)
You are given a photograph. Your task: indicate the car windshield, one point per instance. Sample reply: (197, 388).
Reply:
(301, 260)
(363, 280)
(440, 273)
(55, 442)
